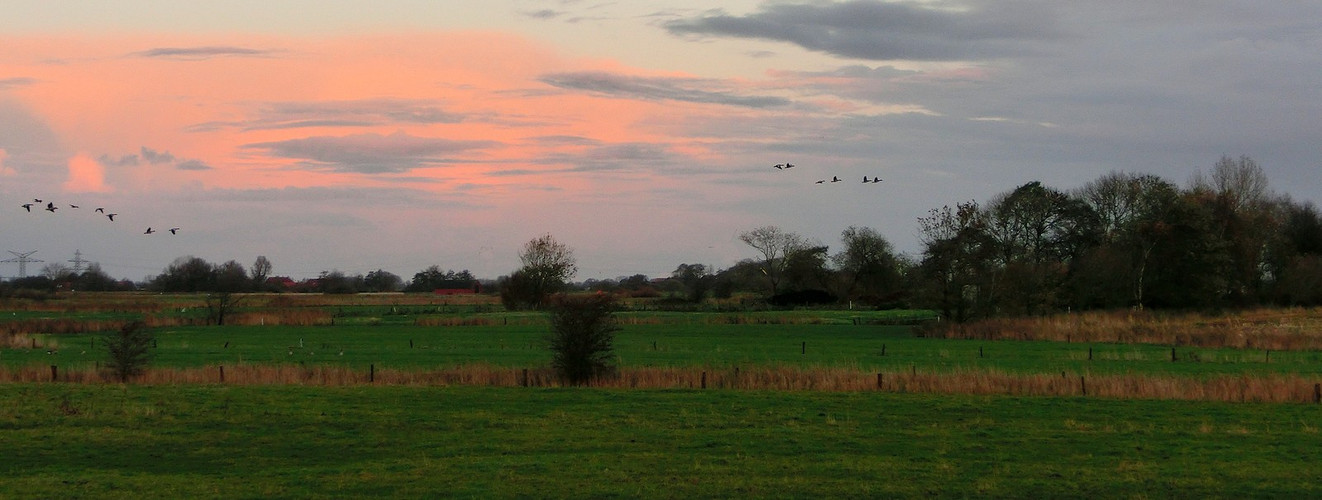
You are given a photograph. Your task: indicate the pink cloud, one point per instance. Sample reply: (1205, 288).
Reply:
(4, 170)
(85, 175)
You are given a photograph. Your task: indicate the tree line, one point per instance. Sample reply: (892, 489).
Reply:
(1121, 240)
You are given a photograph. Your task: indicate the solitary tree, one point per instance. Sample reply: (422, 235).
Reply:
(582, 336)
(547, 267)
(129, 349)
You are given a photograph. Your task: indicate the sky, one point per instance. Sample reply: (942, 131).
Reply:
(397, 135)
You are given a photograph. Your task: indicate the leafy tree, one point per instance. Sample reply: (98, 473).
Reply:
(547, 266)
(433, 278)
(956, 262)
(696, 279)
(129, 350)
(582, 336)
(382, 281)
(867, 265)
(186, 274)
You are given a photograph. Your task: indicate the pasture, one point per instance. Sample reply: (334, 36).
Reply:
(424, 396)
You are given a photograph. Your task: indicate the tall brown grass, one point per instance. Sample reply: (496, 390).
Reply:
(1294, 329)
(1273, 388)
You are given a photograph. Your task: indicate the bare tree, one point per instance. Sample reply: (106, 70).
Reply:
(261, 269)
(776, 246)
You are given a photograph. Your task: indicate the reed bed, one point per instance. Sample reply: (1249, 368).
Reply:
(1295, 329)
(1273, 388)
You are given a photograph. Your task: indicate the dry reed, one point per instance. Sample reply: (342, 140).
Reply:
(1293, 329)
(1268, 388)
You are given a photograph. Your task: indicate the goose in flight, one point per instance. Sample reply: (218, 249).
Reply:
(50, 207)
(835, 179)
(174, 230)
(36, 200)
(819, 182)
(149, 230)
(111, 217)
(71, 205)
(101, 209)
(28, 206)
(876, 179)
(778, 166)
(789, 165)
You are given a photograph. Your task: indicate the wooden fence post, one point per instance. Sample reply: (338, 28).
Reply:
(371, 373)
(979, 351)
(222, 374)
(525, 377)
(54, 373)
(1089, 354)
(1173, 358)
(883, 349)
(704, 380)
(1317, 393)
(804, 348)
(878, 380)
(1083, 385)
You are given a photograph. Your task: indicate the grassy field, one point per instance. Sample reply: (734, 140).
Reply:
(214, 441)
(702, 345)
(444, 413)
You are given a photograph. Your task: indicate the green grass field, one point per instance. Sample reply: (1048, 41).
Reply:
(212, 440)
(273, 442)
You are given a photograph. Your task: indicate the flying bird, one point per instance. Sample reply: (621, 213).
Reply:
(50, 207)
(778, 166)
(835, 179)
(36, 200)
(174, 230)
(820, 182)
(865, 179)
(111, 217)
(28, 206)
(71, 205)
(789, 165)
(876, 179)
(148, 231)
(100, 209)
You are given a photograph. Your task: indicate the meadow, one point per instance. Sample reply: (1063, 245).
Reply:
(427, 396)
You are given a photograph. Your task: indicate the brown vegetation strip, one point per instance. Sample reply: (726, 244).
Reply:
(1296, 329)
(1241, 388)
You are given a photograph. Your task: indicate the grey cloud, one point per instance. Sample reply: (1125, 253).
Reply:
(123, 161)
(353, 113)
(543, 14)
(156, 157)
(200, 53)
(875, 30)
(15, 82)
(192, 165)
(371, 153)
(653, 88)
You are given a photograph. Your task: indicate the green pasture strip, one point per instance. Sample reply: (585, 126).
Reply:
(299, 442)
(865, 347)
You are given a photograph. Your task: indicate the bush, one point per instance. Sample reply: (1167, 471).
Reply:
(582, 336)
(130, 350)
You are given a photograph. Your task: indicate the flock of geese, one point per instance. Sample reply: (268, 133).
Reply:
(783, 166)
(51, 207)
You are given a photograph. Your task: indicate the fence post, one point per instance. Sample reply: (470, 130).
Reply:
(371, 373)
(525, 377)
(704, 380)
(1083, 385)
(804, 348)
(1173, 354)
(878, 380)
(54, 373)
(1089, 354)
(1317, 393)
(222, 374)
(883, 349)
(979, 351)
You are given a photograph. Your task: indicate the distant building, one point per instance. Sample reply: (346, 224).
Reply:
(457, 287)
(280, 283)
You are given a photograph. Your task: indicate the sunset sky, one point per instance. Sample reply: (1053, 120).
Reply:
(396, 135)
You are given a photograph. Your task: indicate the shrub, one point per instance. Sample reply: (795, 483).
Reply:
(582, 336)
